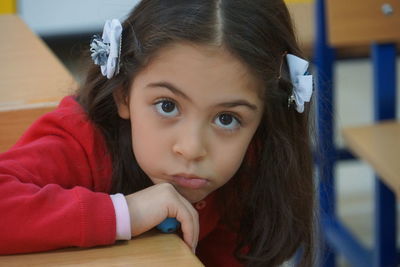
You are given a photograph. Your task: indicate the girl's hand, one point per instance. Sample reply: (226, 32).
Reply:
(150, 206)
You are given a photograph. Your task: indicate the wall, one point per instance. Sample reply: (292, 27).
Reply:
(59, 17)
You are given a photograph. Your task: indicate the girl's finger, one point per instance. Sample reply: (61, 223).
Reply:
(196, 224)
(188, 228)
(195, 219)
(187, 216)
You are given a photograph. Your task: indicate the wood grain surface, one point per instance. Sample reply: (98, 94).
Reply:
(362, 22)
(32, 79)
(378, 145)
(152, 249)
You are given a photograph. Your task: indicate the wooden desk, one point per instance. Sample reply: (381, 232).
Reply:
(303, 16)
(379, 145)
(151, 249)
(303, 19)
(32, 79)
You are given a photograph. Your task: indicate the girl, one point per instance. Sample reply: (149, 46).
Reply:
(197, 112)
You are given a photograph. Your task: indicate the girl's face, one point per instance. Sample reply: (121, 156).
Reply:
(193, 112)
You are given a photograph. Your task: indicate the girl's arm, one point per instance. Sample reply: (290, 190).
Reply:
(54, 184)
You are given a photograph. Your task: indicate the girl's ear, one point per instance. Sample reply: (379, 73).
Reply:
(122, 104)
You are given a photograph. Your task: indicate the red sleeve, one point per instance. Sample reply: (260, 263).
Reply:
(218, 247)
(53, 186)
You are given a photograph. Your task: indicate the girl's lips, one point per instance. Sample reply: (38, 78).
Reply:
(189, 182)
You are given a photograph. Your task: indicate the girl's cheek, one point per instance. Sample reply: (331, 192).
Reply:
(228, 165)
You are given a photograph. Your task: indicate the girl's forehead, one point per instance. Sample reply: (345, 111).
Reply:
(200, 56)
(203, 65)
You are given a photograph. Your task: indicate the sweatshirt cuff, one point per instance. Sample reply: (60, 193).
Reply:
(122, 217)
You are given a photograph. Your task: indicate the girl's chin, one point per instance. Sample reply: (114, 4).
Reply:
(192, 199)
(192, 196)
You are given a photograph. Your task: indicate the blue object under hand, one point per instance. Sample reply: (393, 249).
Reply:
(169, 225)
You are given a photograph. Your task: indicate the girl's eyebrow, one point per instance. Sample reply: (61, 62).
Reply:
(175, 90)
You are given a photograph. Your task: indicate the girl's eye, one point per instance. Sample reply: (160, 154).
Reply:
(227, 121)
(167, 108)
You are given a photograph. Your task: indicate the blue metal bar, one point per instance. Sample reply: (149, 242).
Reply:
(385, 227)
(384, 64)
(323, 60)
(343, 242)
(341, 154)
(344, 154)
(384, 61)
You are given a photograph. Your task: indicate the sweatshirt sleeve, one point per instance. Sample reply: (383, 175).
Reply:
(122, 216)
(54, 184)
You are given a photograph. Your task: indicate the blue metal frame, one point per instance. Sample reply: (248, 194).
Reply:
(384, 60)
(323, 61)
(344, 242)
(336, 237)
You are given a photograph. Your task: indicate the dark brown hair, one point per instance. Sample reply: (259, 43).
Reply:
(270, 200)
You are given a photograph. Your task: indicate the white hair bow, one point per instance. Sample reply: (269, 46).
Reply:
(106, 51)
(302, 82)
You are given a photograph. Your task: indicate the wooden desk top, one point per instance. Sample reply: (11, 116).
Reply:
(32, 79)
(30, 74)
(152, 249)
(379, 145)
(302, 13)
(362, 22)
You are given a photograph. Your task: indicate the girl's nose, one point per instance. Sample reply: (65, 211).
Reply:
(190, 145)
